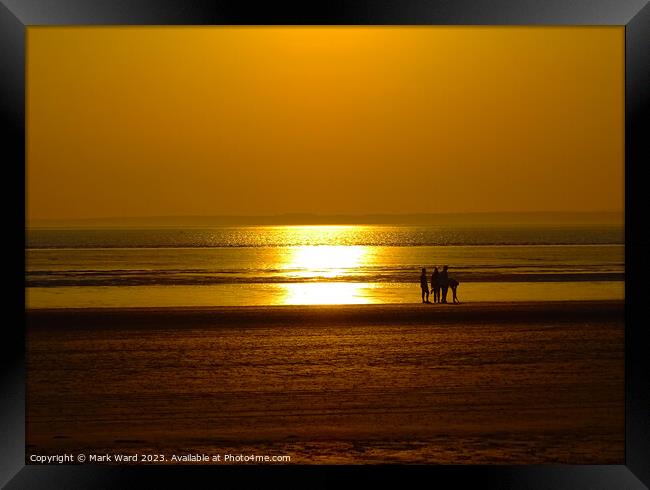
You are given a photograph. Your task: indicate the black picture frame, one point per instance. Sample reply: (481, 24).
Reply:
(17, 15)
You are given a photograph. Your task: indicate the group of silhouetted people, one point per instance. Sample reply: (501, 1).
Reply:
(440, 284)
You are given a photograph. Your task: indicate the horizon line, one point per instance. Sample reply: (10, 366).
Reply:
(316, 218)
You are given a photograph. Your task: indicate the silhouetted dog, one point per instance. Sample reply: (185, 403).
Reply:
(453, 284)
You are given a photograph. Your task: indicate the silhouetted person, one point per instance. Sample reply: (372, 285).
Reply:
(443, 279)
(424, 286)
(453, 284)
(435, 285)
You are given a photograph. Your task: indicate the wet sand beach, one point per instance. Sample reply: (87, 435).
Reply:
(516, 383)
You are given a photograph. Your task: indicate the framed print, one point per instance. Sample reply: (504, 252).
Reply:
(354, 240)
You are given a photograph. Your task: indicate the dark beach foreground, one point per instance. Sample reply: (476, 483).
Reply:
(516, 383)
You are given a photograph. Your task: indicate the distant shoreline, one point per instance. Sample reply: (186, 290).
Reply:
(305, 219)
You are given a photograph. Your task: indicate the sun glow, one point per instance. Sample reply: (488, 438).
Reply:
(324, 265)
(327, 293)
(325, 261)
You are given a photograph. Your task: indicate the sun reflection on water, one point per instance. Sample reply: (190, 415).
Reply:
(325, 261)
(327, 293)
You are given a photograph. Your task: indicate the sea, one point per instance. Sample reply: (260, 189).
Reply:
(323, 264)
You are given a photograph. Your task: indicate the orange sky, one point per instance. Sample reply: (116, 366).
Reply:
(155, 121)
